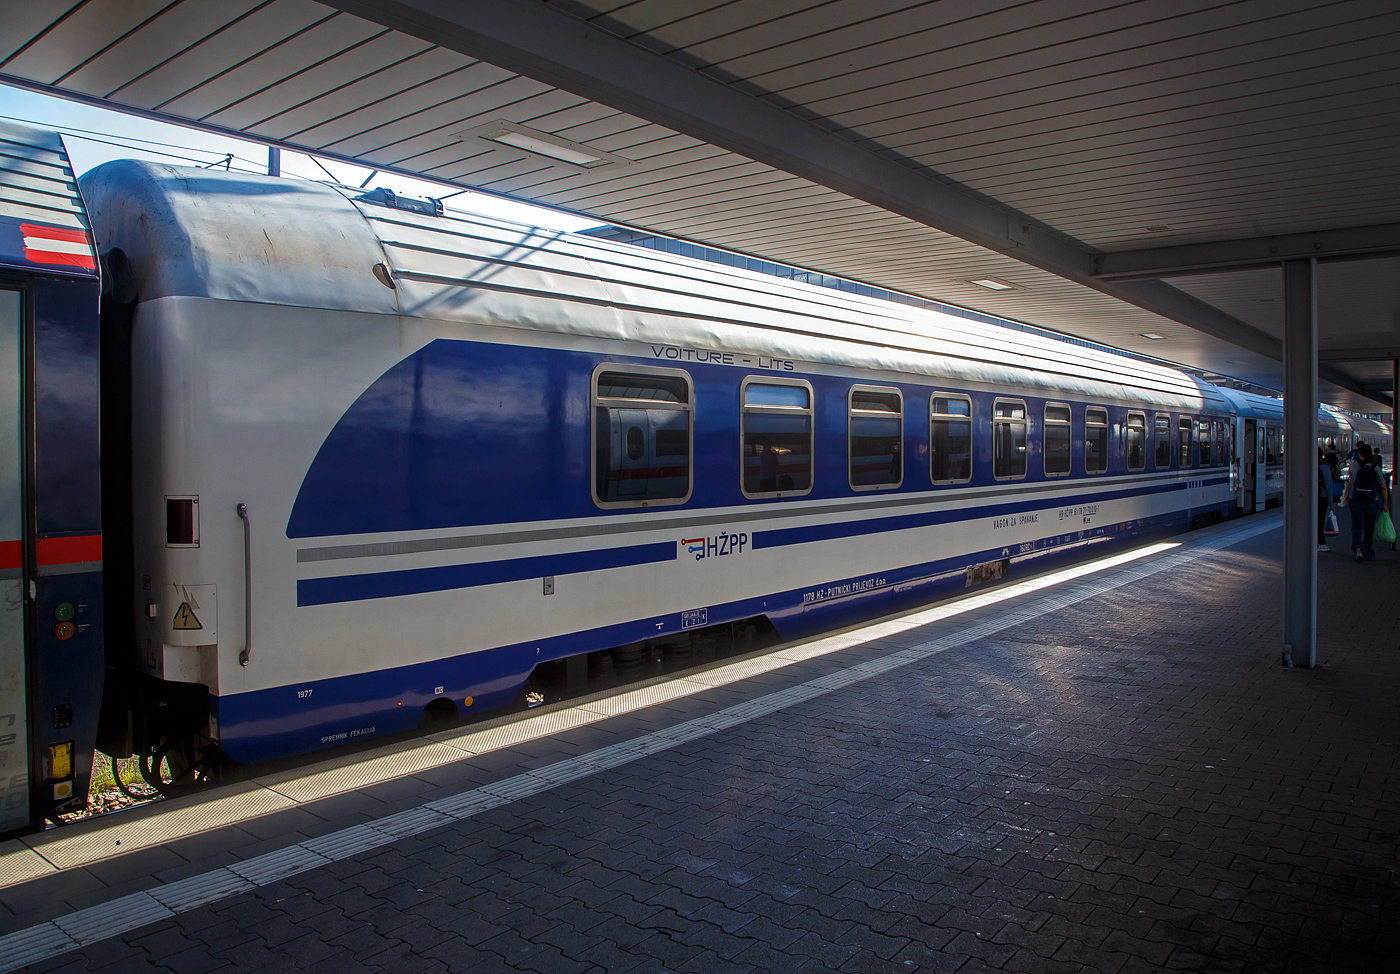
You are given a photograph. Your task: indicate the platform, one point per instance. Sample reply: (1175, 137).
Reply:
(1106, 769)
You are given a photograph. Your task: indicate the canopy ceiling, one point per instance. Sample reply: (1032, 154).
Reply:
(1082, 155)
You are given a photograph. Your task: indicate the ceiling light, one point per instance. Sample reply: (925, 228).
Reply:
(992, 284)
(502, 134)
(1159, 228)
(559, 153)
(1153, 336)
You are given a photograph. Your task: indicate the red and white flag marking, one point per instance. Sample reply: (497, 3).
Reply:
(57, 245)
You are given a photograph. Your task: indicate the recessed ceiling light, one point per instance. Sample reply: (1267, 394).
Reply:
(503, 134)
(559, 153)
(992, 284)
(1153, 336)
(1159, 228)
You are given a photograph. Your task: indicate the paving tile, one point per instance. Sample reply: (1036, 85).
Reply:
(1128, 783)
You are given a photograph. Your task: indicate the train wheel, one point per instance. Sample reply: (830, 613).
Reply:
(180, 763)
(438, 715)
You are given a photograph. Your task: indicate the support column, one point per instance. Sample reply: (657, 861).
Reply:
(1394, 440)
(1300, 463)
(274, 161)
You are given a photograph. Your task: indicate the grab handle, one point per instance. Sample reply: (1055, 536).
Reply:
(247, 585)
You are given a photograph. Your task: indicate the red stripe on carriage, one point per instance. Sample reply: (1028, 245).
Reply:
(69, 551)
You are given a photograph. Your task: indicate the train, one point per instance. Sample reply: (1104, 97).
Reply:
(368, 465)
(52, 654)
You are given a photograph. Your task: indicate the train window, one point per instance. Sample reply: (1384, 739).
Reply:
(1161, 442)
(642, 437)
(1183, 439)
(876, 440)
(1270, 445)
(1008, 439)
(1219, 430)
(1057, 438)
(1203, 442)
(1095, 440)
(1135, 444)
(950, 443)
(776, 437)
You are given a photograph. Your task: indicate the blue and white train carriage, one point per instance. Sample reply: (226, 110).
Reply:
(387, 461)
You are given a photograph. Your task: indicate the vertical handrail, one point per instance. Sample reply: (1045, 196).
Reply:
(247, 585)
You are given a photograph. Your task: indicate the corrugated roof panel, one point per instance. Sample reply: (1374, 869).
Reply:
(282, 63)
(43, 225)
(385, 83)
(157, 40)
(221, 51)
(26, 21)
(79, 36)
(375, 54)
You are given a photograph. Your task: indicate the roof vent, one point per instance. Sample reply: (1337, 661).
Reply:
(384, 196)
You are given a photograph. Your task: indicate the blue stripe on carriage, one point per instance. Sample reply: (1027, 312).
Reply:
(413, 581)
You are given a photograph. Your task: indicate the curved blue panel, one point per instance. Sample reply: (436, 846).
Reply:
(457, 433)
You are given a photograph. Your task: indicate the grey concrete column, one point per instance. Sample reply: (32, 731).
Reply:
(274, 161)
(1394, 440)
(1300, 462)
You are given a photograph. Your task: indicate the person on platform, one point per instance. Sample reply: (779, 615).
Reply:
(1365, 497)
(1324, 498)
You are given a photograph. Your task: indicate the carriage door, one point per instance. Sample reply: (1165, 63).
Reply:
(14, 723)
(1249, 454)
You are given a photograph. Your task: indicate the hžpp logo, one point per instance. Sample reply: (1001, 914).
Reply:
(717, 546)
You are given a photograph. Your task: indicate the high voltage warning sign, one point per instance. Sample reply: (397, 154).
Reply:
(185, 618)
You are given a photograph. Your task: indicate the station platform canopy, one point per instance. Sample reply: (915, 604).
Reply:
(1127, 173)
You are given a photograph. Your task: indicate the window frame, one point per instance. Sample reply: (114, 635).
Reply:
(1185, 425)
(810, 412)
(1157, 421)
(1203, 431)
(593, 403)
(1045, 424)
(1127, 426)
(971, 434)
(850, 435)
(1107, 438)
(1026, 419)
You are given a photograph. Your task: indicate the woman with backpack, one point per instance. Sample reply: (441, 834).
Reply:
(1365, 496)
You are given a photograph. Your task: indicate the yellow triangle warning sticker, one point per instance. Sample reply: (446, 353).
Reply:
(185, 618)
